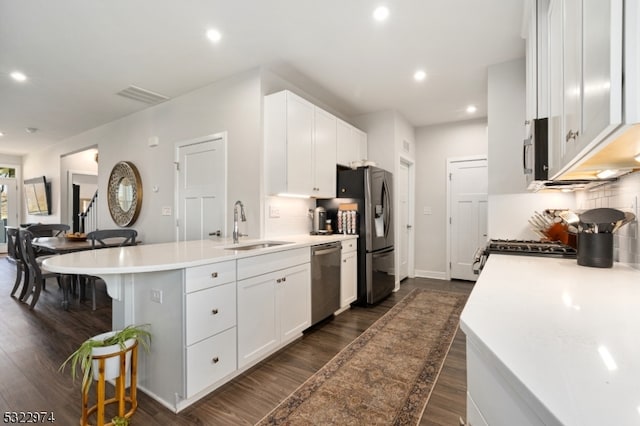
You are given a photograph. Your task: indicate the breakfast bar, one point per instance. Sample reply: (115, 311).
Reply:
(553, 343)
(214, 307)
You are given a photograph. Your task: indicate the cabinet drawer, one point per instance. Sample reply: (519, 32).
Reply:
(210, 360)
(349, 245)
(210, 311)
(258, 265)
(205, 276)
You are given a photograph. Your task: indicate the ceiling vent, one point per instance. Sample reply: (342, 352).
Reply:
(139, 94)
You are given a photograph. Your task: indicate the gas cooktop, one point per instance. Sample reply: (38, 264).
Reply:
(531, 248)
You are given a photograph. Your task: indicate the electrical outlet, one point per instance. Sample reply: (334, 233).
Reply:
(274, 211)
(427, 210)
(156, 295)
(166, 211)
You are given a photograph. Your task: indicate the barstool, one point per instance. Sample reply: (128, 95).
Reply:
(120, 397)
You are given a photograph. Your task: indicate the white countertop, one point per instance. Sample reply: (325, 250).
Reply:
(551, 323)
(168, 256)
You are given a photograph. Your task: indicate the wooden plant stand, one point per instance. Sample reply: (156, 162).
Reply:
(120, 397)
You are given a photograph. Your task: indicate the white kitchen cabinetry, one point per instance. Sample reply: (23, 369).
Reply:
(210, 325)
(585, 77)
(300, 147)
(536, 60)
(351, 144)
(349, 273)
(274, 302)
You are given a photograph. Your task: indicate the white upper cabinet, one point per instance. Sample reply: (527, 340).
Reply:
(585, 78)
(300, 147)
(536, 59)
(352, 144)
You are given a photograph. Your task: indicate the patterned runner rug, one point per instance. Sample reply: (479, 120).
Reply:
(386, 375)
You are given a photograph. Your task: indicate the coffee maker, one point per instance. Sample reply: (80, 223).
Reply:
(319, 221)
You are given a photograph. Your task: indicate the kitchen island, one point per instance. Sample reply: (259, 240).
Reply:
(553, 343)
(215, 308)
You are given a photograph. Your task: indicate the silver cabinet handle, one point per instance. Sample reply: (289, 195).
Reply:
(214, 311)
(214, 275)
(572, 135)
(215, 360)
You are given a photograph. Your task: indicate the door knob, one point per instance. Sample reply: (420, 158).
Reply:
(409, 227)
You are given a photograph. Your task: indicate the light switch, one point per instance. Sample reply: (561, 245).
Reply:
(274, 211)
(166, 211)
(427, 210)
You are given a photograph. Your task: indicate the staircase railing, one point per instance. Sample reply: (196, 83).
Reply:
(88, 219)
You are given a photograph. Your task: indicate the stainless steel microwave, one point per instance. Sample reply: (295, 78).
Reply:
(535, 151)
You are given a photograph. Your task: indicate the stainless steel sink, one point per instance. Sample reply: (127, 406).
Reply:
(257, 245)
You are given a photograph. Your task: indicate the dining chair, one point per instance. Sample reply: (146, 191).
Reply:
(34, 282)
(14, 255)
(48, 229)
(103, 238)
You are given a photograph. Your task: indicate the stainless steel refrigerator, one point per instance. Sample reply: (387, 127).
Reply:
(370, 189)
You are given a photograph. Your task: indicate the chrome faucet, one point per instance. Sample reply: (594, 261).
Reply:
(236, 232)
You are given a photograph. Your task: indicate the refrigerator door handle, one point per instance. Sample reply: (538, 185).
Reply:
(387, 208)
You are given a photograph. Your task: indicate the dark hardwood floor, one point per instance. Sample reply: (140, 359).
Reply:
(33, 344)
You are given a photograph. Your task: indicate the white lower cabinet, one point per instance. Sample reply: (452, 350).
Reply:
(210, 360)
(349, 273)
(274, 306)
(210, 325)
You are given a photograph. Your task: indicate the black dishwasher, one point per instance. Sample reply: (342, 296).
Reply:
(325, 280)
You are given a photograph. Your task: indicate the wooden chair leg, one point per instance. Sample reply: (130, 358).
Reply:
(37, 288)
(25, 285)
(18, 278)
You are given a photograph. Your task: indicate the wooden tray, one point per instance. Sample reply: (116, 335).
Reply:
(73, 237)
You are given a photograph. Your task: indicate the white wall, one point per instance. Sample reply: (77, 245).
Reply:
(434, 145)
(232, 105)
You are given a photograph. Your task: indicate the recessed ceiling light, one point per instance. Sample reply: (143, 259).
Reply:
(18, 76)
(604, 174)
(214, 35)
(471, 109)
(419, 75)
(1, 134)
(381, 13)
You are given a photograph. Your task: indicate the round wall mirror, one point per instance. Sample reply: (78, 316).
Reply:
(124, 195)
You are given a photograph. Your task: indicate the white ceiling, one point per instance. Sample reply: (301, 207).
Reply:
(79, 53)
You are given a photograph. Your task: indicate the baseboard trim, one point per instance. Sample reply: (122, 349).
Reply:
(431, 274)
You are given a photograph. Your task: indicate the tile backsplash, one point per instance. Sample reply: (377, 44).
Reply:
(622, 195)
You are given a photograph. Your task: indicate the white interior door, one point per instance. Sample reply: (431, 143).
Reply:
(404, 221)
(468, 187)
(201, 183)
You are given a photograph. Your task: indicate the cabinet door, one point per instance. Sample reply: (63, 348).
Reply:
(347, 145)
(294, 301)
(556, 111)
(258, 324)
(348, 278)
(572, 75)
(602, 70)
(300, 115)
(361, 141)
(210, 360)
(324, 160)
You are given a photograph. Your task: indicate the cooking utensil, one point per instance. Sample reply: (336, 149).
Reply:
(628, 217)
(601, 215)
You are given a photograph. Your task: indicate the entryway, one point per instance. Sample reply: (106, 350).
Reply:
(9, 205)
(467, 191)
(201, 182)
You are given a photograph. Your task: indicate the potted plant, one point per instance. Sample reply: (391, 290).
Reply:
(120, 421)
(105, 344)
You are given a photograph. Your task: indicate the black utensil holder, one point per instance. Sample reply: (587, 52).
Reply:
(595, 249)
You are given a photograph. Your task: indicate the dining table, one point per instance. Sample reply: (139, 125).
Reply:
(69, 244)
